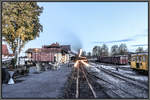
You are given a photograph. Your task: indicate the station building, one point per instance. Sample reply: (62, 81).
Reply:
(49, 53)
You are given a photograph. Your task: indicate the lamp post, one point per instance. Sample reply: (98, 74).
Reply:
(35, 54)
(37, 63)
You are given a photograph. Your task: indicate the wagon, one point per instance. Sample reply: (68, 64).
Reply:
(120, 59)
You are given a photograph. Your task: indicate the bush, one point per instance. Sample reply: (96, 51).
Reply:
(13, 62)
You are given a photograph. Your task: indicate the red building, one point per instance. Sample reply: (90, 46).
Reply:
(49, 53)
(5, 50)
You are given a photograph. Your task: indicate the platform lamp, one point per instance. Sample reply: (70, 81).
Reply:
(37, 63)
(36, 53)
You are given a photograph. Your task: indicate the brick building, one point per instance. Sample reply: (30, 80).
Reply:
(50, 53)
(4, 50)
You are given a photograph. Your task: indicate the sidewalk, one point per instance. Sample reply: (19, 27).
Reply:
(47, 84)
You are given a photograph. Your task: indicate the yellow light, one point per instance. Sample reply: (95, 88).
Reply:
(80, 52)
(86, 64)
(76, 63)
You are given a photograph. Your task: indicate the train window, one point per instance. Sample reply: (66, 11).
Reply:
(144, 59)
(133, 58)
(137, 58)
(140, 58)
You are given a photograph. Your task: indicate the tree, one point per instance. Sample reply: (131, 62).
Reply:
(114, 50)
(104, 50)
(20, 24)
(122, 50)
(84, 53)
(96, 51)
(140, 49)
(89, 54)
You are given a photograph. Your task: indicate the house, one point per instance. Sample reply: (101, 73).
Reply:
(4, 50)
(6, 56)
(50, 53)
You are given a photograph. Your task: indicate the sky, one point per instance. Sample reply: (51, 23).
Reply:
(87, 24)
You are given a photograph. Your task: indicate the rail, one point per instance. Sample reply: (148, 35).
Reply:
(81, 69)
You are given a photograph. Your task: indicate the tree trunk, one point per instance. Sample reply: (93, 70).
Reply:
(17, 52)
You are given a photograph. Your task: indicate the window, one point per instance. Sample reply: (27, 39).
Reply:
(137, 58)
(144, 59)
(133, 58)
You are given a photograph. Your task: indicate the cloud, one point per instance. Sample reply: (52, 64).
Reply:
(115, 41)
(139, 45)
(140, 35)
(123, 40)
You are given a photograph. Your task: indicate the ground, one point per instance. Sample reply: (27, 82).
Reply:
(124, 83)
(121, 83)
(47, 84)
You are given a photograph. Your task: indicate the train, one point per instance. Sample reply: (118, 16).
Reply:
(139, 62)
(119, 59)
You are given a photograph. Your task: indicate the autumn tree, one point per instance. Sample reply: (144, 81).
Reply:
(20, 24)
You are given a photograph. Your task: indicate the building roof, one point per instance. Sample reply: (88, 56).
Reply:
(140, 53)
(55, 47)
(30, 50)
(66, 47)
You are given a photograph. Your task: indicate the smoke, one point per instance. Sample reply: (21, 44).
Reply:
(75, 43)
(73, 40)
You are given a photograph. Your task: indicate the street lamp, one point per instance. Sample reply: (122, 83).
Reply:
(35, 54)
(37, 63)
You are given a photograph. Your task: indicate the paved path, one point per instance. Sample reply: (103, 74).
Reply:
(48, 84)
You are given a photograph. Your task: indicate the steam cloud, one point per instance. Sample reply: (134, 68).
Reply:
(73, 40)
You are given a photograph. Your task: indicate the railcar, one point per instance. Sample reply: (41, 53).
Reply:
(120, 59)
(139, 61)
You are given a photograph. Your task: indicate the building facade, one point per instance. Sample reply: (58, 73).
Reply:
(50, 53)
(4, 50)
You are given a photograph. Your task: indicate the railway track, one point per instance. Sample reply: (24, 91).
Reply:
(139, 84)
(82, 81)
(99, 80)
(117, 90)
(83, 86)
(114, 66)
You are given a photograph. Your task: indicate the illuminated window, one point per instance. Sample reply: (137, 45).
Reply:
(133, 58)
(137, 58)
(144, 59)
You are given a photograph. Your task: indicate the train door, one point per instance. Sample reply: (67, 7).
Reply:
(54, 59)
(144, 63)
(133, 62)
(138, 65)
(146, 56)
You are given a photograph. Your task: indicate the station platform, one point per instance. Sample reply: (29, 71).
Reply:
(47, 84)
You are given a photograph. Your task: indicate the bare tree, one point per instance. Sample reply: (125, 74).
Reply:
(104, 50)
(89, 54)
(122, 49)
(114, 50)
(96, 51)
(84, 53)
